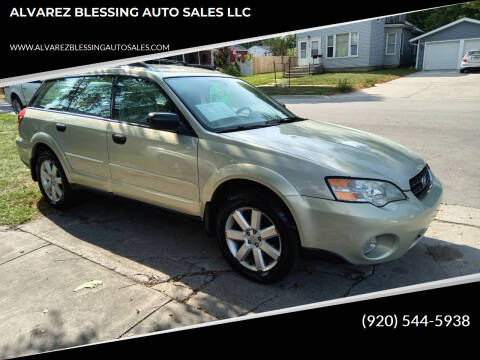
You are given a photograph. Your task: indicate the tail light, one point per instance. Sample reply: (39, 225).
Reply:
(464, 59)
(21, 115)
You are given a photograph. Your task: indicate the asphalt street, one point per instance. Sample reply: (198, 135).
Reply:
(5, 108)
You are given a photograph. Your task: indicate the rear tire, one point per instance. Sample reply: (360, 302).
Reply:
(52, 181)
(257, 236)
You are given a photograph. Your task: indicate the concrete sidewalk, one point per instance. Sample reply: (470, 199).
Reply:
(160, 271)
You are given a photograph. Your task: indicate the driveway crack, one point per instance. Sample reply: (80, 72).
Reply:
(143, 319)
(359, 280)
(26, 253)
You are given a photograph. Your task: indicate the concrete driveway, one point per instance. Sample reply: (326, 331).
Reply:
(159, 270)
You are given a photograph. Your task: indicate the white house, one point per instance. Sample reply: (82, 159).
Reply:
(258, 50)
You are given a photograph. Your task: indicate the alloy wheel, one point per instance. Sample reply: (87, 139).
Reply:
(253, 239)
(51, 181)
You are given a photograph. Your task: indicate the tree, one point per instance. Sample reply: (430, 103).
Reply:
(278, 47)
(432, 19)
(221, 57)
(291, 41)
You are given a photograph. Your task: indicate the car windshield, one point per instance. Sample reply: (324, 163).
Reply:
(474, 52)
(224, 104)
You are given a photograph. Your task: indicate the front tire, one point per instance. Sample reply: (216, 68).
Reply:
(257, 236)
(52, 181)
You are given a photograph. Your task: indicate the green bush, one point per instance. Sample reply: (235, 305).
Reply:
(368, 82)
(248, 58)
(344, 85)
(231, 69)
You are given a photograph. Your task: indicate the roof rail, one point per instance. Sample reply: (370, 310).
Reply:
(140, 64)
(178, 62)
(166, 61)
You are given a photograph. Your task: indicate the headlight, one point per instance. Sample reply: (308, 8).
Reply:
(376, 192)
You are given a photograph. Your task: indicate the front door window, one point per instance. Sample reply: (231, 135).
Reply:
(303, 49)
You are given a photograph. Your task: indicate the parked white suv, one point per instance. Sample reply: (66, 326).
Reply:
(19, 95)
(470, 60)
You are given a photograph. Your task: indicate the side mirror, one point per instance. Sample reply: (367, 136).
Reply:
(164, 121)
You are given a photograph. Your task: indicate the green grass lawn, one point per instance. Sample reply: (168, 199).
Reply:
(262, 79)
(299, 90)
(357, 79)
(327, 82)
(19, 195)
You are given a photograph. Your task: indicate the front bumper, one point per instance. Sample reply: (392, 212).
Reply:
(345, 228)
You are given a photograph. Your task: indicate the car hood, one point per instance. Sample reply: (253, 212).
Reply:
(344, 151)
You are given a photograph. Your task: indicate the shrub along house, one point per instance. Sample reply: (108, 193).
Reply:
(360, 46)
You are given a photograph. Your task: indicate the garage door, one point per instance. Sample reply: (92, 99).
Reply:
(471, 45)
(441, 55)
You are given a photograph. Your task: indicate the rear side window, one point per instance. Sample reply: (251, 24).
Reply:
(134, 98)
(93, 97)
(56, 94)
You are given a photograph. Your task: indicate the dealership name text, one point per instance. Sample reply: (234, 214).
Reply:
(99, 12)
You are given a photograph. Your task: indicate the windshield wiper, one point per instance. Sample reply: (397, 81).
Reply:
(241, 127)
(265, 124)
(284, 120)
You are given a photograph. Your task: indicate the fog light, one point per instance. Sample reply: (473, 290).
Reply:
(370, 246)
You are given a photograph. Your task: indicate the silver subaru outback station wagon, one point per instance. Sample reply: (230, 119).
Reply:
(265, 182)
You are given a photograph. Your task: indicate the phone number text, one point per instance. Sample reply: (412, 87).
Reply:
(414, 320)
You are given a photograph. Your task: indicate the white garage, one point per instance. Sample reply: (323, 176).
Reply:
(472, 44)
(444, 47)
(441, 55)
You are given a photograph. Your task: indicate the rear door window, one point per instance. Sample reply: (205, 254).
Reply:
(56, 94)
(93, 97)
(134, 98)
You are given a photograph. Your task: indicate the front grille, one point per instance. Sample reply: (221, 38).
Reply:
(421, 183)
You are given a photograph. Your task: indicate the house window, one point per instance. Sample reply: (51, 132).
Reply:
(330, 46)
(314, 48)
(390, 43)
(354, 44)
(342, 45)
(303, 50)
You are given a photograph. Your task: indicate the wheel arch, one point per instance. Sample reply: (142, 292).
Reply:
(44, 142)
(246, 178)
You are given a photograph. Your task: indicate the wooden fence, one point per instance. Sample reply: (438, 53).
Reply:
(264, 64)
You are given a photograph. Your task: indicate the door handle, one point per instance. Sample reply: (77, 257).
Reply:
(119, 139)
(61, 127)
